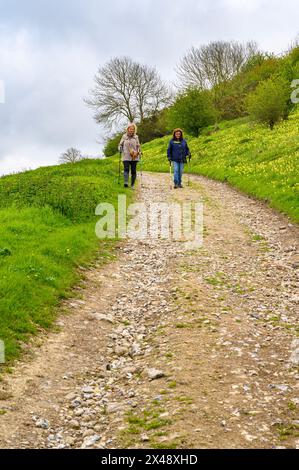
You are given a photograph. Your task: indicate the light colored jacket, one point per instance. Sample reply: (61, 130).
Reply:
(127, 145)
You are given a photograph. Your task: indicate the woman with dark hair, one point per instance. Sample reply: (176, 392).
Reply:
(130, 148)
(177, 154)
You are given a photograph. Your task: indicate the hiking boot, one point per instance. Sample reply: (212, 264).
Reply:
(180, 186)
(175, 186)
(126, 185)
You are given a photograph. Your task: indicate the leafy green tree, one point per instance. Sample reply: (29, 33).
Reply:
(153, 127)
(269, 103)
(192, 111)
(111, 147)
(228, 100)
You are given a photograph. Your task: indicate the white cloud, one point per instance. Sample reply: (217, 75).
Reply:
(244, 5)
(48, 60)
(44, 109)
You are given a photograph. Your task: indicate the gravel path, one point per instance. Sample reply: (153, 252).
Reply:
(169, 348)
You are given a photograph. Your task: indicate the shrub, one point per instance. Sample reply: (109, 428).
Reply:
(269, 102)
(192, 111)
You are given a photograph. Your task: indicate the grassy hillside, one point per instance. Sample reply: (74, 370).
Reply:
(47, 230)
(260, 162)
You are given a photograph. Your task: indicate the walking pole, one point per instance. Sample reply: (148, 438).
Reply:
(189, 158)
(119, 164)
(170, 174)
(141, 175)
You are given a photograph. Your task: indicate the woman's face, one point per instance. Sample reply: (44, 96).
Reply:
(178, 135)
(131, 130)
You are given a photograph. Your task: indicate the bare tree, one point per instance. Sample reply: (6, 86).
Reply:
(71, 155)
(126, 90)
(150, 94)
(214, 63)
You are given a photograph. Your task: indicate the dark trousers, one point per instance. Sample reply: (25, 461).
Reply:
(127, 166)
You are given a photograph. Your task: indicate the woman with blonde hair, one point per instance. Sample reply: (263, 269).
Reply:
(130, 149)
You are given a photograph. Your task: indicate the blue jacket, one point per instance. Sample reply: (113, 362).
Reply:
(178, 151)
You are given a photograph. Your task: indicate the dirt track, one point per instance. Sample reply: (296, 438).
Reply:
(219, 323)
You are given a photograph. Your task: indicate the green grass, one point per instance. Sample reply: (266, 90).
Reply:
(47, 231)
(146, 421)
(183, 325)
(292, 406)
(172, 384)
(288, 430)
(252, 158)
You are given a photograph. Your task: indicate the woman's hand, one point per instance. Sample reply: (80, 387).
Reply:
(134, 154)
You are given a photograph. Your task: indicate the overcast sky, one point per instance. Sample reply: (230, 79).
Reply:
(50, 51)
